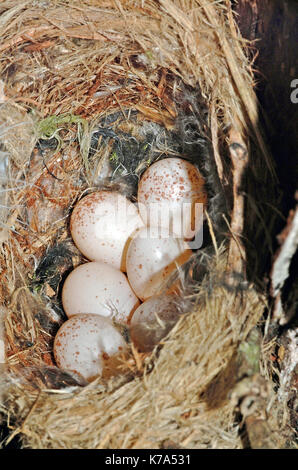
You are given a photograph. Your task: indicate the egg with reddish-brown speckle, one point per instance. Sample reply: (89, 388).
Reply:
(101, 225)
(85, 342)
(100, 289)
(169, 194)
(152, 256)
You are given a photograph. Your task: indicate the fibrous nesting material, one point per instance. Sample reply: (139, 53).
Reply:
(97, 83)
(166, 399)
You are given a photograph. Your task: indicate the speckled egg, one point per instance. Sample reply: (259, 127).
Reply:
(167, 194)
(152, 257)
(85, 342)
(153, 320)
(101, 225)
(100, 289)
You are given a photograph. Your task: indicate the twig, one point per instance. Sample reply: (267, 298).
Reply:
(288, 239)
(239, 157)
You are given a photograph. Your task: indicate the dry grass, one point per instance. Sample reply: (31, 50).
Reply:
(92, 50)
(160, 404)
(86, 60)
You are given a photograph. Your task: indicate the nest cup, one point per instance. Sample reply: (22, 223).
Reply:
(92, 95)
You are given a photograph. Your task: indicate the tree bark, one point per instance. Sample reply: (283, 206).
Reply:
(273, 24)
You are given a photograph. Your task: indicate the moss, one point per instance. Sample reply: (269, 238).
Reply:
(49, 128)
(249, 354)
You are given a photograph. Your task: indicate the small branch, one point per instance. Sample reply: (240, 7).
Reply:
(239, 157)
(288, 240)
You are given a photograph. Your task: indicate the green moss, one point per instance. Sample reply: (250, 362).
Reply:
(51, 126)
(114, 157)
(249, 353)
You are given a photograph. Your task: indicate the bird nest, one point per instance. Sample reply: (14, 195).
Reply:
(91, 94)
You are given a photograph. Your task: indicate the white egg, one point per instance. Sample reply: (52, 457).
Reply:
(152, 257)
(169, 195)
(153, 320)
(101, 225)
(100, 289)
(85, 342)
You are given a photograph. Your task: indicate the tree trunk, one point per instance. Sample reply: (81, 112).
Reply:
(273, 25)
